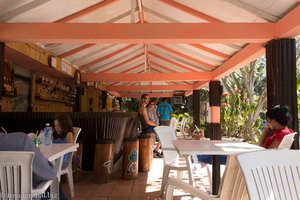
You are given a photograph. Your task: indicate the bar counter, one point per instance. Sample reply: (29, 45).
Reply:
(95, 126)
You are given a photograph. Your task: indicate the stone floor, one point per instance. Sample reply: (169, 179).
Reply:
(146, 186)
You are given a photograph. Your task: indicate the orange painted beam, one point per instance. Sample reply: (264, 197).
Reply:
(106, 57)
(200, 84)
(137, 33)
(149, 87)
(188, 93)
(132, 68)
(163, 67)
(121, 63)
(289, 26)
(86, 11)
(211, 51)
(191, 11)
(151, 95)
(76, 50)
(172, 62)
(201, 63)
(146, 77)
(240, 59)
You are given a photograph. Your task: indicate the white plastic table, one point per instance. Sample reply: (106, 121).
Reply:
(187, 148)
(55, 152)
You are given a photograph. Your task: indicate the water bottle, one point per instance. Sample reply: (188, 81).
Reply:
(48, 134)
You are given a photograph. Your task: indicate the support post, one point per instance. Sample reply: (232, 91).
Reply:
(282, 79)
(215, 93)
(196, 107)
(2, 55)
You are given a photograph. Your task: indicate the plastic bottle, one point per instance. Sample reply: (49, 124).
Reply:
(48, 134)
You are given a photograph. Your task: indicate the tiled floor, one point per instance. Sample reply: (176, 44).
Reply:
(146, 186)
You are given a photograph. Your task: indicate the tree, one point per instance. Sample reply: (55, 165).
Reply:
(243, 101)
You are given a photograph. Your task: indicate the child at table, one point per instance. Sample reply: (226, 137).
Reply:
(63, 133)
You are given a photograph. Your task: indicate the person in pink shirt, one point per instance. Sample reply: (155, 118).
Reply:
(278, 119)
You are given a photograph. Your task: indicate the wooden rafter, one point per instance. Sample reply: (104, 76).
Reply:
(211, 51)
(106, 57)
(117, 59)
(258, 12)
(122, 63)
(201, 64)
(147, 77)
(85, 11)
(172, 62)
(149, 87)
(18, 11)
(191, 11)
(76, 50)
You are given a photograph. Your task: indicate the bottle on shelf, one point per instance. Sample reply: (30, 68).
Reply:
(48, 134)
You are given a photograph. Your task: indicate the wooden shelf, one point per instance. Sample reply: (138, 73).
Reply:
(55, 100)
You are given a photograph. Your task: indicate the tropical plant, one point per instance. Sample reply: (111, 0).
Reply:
(243, 101)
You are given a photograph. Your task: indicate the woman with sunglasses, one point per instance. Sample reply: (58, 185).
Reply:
(278, 119)
(147, 124)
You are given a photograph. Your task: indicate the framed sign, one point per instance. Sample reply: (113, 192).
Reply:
(177, 100)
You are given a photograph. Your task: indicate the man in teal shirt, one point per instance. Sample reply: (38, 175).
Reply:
(164, 110)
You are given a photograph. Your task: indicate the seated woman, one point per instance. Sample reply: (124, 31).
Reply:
(278, 119)
(147, 124)
(63, 133)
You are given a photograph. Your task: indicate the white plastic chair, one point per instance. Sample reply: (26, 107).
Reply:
(287, 141)
(181, 126)
(171, 157)
(16, 175)
(232, 185)
(68, 170)
(271, 173)
(173, 123)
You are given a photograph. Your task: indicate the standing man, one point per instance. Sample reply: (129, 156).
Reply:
(164, 110)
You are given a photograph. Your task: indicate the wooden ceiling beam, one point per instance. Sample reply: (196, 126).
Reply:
(76, 50)
(289, 26)
(211, 51)
(191, 11)
(20, 10)
(85, 11)
(121, 63)
(87, 65)
(138, 33)
(201, 64)
(149, 87)
(151, 95)
(147, 77)
(258, 12)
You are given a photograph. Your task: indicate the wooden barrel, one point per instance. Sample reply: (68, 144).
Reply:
(103, 163)
(130, 158)
(145, 152)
